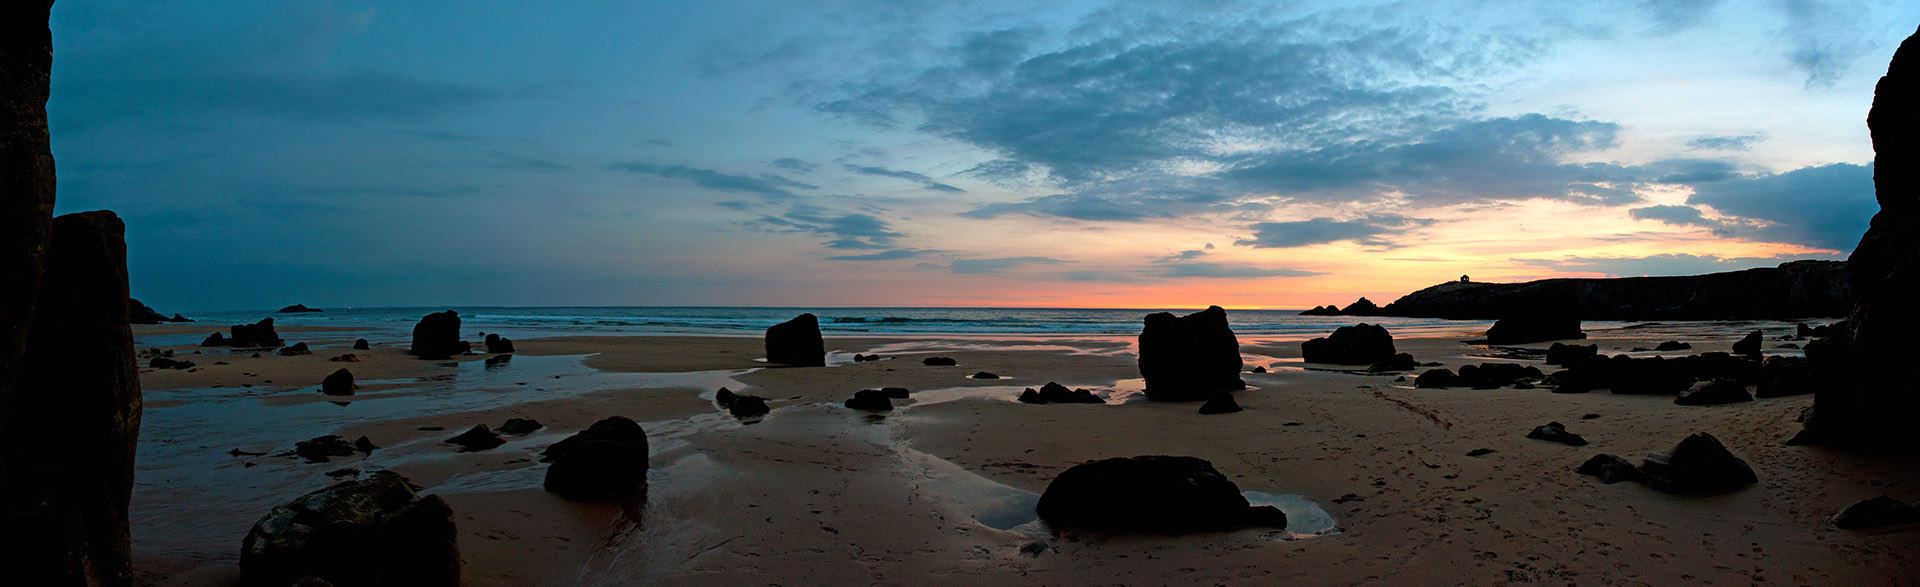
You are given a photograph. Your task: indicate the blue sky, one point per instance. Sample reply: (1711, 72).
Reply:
(1130, 154)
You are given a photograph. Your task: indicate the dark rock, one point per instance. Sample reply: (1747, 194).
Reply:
(296, 349)
(375, 531)
(1436, 378)
(1221, 403)
(1059, 394)
(1609, 468)
(320, 448)
(938, 362)
(1793, 290)
(519, 426)
(797, 342)
(1534, 328)
(1029, 396)
(1589, 416)
(138, 313)
(1480, 452)
(869, 399)
(437, 337)
(1750, 345)
(1570, 354)
(499, 360)
(1784, 376)
(1362, 344)
(1327, 310)
(1802, 331)
(257, 335)
(1699, 464)
(70, 402)
(346, 358)
(1361, 307)
(298, 308)
(1150, 493)
(1189, 357)
(364, 445)
(1493, 375)
(166, 363)
(338, 383)
(1260, 369)
(497, 344)
(1716, 391)
(360, 344)
(985, 375)
(1879, 511)
(477, 438)
(747, 406)
(1557, 432)
(725, 397)
(178, 318)
(859, 358)
(895, 392)
(1398, 362)
(1672, 345)
(608, 459)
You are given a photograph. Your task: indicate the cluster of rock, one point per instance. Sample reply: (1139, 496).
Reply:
(1569, 354)
(499, 344)
(138, 313)
(1623, 374)
(437, 337)
(321, 448)
(1150, 493)
(256, 335)
(1529, 328)
(1698, 464)
(1481, 376)
(374, 531)
(742, 405)
(1055, 393)
(1187, 358)
(298, 308)
(479, 437)
(797, 342)
(1360, 307)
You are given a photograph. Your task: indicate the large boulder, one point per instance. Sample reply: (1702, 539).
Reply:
(607, 460)
(499, 344)
(1699, 464)
(1187, 358)
(1749, 345)
(374, 531)
(437, 337)
(339, 383)
(1570, 354)
(1535, 328)
(797, 342)
(1150, 493)
(69, 426)
(1361, 344)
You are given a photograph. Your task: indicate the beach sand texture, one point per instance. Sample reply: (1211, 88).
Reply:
(939, 491)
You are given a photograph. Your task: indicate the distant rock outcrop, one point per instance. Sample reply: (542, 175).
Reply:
(1360, 344)
(1361, 307)
(1187, 358)
(797, 342)
(437, 337)
(375, 531)
(256, 335)
(138, 313)
(1799, 289)
(298, 308)
(1150, 493)
(1327, 310)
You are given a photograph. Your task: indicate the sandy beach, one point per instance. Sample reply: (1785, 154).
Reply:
(1374, 473)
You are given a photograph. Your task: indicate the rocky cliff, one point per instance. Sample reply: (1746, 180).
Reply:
(1800, 289)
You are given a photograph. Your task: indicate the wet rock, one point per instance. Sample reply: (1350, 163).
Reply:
(437, 337)
(1557, 432)
(296, 349)
(1398, 362)
(895, 392)
(360, 344)
(477, 438)
(499, 360)
(375, 531)
(1361, 344)
(869, 399)
(497, 344)
(1785, 376)
(320, 448)
(519, 426)
(298, 308)
(985, 375)
(1699, 464)
(1221, 403)
(1879, 511)
(1261, 369)
(1610, 468)
(797, 342)
(746, 406)
(257, 335)
(1672, 345)
(1187, 358)
(340, 382)
(1534, 328)
(346, 358)
(1150, 493)
(1716, 391)
(607, 460)
(725, 397)
(938, 362)
(1749, 345)
(1570, 354)
(1436, 378)
(1054, 392)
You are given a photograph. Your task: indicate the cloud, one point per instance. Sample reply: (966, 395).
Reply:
(795, 165)
(923, 180)
(510, 160)
(1671, 16)
(707, 178)
(1076, 206)
(782, 181)
(1675, 215)
(1186, 255)
(1107, 276)
(880, 256)
(1825, 39)
(999, 264)
(1726, 143)
(1666, 264)
(1228, 270)
(1366, 231)
(1827, 207)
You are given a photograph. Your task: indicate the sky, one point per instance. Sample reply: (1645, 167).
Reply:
(950, 153)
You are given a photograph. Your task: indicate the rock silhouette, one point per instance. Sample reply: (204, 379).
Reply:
(1534, 328)
(1360, 344)
(607, 460)
(298, 308)
(1150, 493)
(437, 337)
(338, 383)
(256, 335)
(1793, 290)
(499, 344)
(375, 531)
(1189, 357)
(797, 342)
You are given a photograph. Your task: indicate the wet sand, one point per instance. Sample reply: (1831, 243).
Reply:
(939, 491)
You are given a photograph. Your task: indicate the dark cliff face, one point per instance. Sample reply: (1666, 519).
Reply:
(1801, 289)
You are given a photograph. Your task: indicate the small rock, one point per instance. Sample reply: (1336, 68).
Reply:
(298, 348)
(497, 344)
(938, 362)
(1750, 345)
(1258, 369)
(869, 399)
(1716, 391)
(985, 375)
(1436, 378)
(1610, 468)
(321, 448)
(1699, 464)
(519, 426)
(1556, 432)
(724, 397)
(1479, 452)
(477, 438)
(1672, 345)
(1879, 511)
(608, 459)
(746, 406)
(360, 344)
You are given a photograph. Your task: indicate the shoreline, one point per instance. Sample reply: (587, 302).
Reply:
(833, 495)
